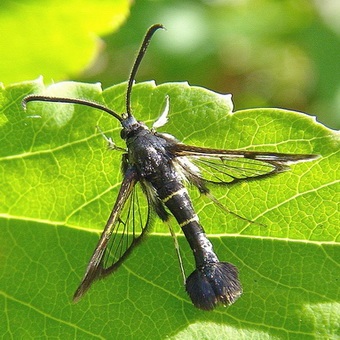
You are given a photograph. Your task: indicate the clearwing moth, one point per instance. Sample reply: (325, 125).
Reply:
(156, 168)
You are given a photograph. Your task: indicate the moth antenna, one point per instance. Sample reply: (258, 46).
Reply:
(137, 62)
(40, 98)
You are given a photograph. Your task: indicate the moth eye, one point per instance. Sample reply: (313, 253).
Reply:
(123, 134)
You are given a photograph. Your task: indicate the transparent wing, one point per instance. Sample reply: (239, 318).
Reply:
(125, 228)
(230, 166)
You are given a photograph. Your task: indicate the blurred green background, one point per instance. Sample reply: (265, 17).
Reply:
(266, 53)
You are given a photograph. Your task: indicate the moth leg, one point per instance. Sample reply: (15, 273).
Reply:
(158, 208)
(110, 143)
(178, 250)
(228, 211)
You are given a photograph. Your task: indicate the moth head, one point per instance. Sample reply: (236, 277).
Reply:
(131, 126)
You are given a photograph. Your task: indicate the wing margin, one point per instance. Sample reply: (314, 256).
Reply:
(120, 235)
(225, 167)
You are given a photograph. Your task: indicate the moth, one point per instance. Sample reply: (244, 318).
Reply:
(156, 168)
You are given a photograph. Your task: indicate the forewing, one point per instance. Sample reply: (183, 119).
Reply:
(131, 226)
(230, 166)
(125, 228)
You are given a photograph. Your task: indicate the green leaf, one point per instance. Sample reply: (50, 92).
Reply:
(54, 38)
(59, 182)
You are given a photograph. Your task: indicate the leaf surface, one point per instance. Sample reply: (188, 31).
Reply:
(59, 182)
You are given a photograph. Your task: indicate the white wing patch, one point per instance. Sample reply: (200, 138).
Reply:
(163, 119)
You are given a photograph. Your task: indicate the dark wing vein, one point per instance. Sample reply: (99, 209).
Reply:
(228, 170)
(132, 224)
(230, 166)
(125, 228)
